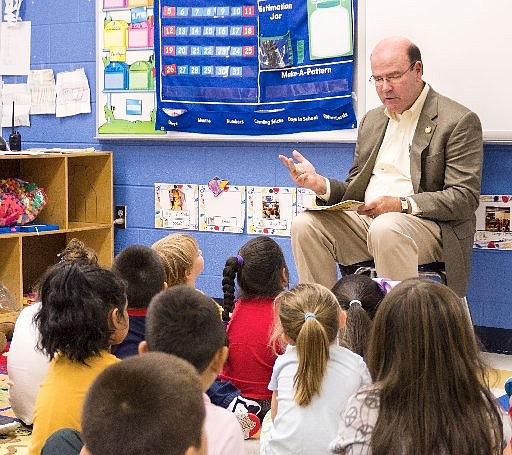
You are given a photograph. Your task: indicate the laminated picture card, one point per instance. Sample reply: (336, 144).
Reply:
(493, 222)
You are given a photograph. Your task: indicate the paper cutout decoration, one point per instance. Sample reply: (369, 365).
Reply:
(15, 49)
(493, 222)
(19, 94)
(217, 185)
(270, 210)
(224, 212)
(176, 206)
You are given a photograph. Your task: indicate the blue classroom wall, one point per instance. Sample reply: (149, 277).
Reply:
(63, 38)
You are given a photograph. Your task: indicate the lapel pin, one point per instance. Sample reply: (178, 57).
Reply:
(428, 129)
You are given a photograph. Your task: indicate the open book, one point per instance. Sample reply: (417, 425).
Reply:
(340, 206)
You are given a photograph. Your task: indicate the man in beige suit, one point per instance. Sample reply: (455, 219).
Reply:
(417, 167)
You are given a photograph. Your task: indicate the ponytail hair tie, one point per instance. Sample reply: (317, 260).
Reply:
(240, 260)
(355, 302)
(309, 315)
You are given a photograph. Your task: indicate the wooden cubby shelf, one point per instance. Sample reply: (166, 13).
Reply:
(80, 201)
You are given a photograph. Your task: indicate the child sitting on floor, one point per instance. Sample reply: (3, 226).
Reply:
(183, 263)
(359, 296)
(184, 322)
(313, 380)
(141, 268)
(183, 260)
(150, 393)
(83, 313)
(261, 273)
(159, 395)
(431, 391)
(27, 366)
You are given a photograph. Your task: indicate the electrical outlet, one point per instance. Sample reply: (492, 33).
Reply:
(120, 216)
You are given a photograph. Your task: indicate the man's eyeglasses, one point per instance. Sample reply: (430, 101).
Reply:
(378, 81)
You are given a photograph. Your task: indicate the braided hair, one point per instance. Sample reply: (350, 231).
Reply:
(257, 268)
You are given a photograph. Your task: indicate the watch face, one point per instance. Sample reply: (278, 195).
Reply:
(405, 204)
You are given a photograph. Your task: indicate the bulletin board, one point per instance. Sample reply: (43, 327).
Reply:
(294, 88)
(464, 46)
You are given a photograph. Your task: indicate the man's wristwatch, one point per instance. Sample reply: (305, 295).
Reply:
(405, 204)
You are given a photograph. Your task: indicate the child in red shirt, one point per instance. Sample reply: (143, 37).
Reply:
(261, 273)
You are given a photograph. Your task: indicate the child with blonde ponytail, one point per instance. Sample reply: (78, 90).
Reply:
(312, 381)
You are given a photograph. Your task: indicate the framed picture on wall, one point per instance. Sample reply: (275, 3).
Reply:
(270, 210)
(493, 222)
(176, 206)
(222, 211)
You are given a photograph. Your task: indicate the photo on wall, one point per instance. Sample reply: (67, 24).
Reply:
(493, 222)
(270, 210)
(176, 206)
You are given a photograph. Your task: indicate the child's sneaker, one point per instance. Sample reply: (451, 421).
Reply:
(243, 405)
(8, 424)
(249, 423)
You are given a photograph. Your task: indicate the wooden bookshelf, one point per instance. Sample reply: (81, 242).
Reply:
(80, 201)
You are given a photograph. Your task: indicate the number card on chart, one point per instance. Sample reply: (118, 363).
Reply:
(493, 222)
(224, 212)
(176, 206)
(270, 210)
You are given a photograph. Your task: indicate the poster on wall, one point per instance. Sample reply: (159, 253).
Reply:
(222, 211)
(493, 222)
(270, 210)
(176, 205)
(126, 101)
(254, 67)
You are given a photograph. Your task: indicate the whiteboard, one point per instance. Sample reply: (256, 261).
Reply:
(466, 48)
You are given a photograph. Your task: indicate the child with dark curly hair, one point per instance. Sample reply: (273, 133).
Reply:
(83, 313)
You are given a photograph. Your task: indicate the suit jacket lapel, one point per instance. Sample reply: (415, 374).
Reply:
(425, 128)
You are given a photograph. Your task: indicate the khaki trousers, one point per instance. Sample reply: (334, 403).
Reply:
(397, 242)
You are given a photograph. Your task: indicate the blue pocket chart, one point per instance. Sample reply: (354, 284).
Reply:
(257, 68)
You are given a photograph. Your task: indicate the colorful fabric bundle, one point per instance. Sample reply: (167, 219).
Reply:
(20, 201)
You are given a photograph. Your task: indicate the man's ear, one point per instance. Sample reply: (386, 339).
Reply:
(165, 285)
(143, 347)
(342, 319)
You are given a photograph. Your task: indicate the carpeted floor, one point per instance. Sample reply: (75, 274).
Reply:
(14, 443)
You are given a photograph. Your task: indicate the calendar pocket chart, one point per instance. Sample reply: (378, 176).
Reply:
(233, 67)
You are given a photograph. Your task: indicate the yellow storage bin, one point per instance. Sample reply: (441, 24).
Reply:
(115, 35)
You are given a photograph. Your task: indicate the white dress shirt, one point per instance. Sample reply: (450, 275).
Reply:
(391, 174)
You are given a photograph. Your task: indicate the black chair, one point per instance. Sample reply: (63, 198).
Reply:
(433, 270)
